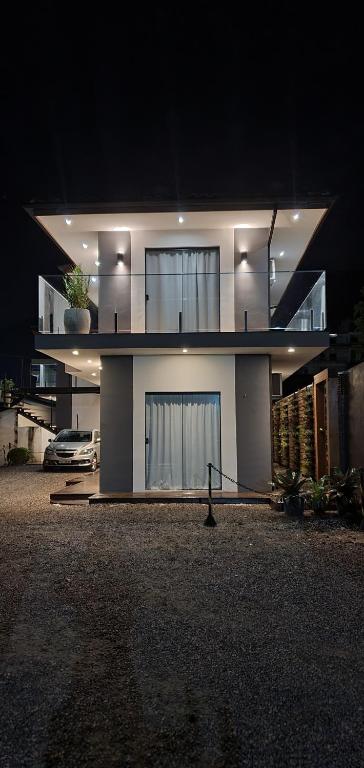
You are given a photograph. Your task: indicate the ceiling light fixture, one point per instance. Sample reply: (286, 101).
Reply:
(93, 374)
(180, 220)
(185, 350)
(75, 352)
(296, 216)
(120, 229)
(89, 361)
(93, 279)
(281, 253)
(97, 262)
(84, 245)
(100, 367)
(68, 222)
(291, 349)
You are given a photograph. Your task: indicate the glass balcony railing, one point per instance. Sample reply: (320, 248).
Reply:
(184, 303)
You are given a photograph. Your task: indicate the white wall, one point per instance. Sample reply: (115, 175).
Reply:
(177, 373)
(87, 406)
(142, 239)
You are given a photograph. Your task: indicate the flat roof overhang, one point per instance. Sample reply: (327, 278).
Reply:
(276, 344)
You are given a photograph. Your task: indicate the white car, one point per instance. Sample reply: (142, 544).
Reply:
(73, 448)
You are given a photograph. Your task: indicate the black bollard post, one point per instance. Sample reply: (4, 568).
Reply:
(210, 521)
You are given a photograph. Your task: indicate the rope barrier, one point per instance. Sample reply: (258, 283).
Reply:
(237, 482)
(210, 521)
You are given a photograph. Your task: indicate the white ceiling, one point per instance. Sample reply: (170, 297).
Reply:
(283, 362)
(290, 235)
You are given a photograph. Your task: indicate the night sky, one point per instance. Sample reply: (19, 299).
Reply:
(173, 102)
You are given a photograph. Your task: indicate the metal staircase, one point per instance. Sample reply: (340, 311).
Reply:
(36, 419)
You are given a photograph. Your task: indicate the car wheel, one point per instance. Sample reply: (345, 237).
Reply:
(94, 463)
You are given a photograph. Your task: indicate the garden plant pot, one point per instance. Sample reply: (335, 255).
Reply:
(77, 320)
(294, 506)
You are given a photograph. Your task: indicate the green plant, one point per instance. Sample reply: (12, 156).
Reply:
(289, 482)
(344, 489)
(18, 456)
(317, 494)
(6, 385)
(76, 286)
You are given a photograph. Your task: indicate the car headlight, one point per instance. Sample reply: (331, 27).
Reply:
(86, 451)
(50, 449)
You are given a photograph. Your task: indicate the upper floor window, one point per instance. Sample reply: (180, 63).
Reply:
(182, 289)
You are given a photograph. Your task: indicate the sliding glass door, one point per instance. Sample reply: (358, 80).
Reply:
(182, 290)
(182, 437)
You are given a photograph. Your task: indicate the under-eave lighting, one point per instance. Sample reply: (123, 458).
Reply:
(93, 374)
(281, 253)
(75, 352)
(68, 222)
(84, 245)
(120, 229)
(180, 219)
(296, 216)
(291, 349)
(97, 262)
(185, 350)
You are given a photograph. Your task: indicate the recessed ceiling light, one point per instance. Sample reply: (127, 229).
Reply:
(281, 253)
(89, 361)
(93, 374)
(84, 245)
(120, 229)
(75, 352)
(68, 222)
(291, 349)
(180, 219)
(93, 279)
(97, 262)
(185, 350)
(295, 216)
(333, 335)
(100, 367)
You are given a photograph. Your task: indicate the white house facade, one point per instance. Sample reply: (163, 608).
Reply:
(191, 311)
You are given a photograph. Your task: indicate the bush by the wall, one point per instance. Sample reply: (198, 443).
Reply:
(18, 456)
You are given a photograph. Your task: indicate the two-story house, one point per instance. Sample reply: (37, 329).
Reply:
(192, 307)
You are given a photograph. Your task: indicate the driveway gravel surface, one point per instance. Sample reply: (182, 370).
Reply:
(134, 636)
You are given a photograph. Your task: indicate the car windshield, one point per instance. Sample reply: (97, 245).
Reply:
(73, 436)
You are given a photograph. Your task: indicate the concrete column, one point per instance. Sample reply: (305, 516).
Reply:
(114, 282)
(253, 420)
(64, 402)
(116, 424)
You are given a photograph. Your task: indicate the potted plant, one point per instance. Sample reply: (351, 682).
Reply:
(290, 484)
(344, 489)
(77, 317)
(317, 495)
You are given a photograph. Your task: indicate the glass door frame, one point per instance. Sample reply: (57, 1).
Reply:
(177, 249)
(181, 394)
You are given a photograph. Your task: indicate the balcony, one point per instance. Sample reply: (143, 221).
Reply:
(188, 303)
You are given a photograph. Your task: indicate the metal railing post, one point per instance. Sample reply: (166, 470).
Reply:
(180, 322)
(245, 319)
(210, 521)
(115, 322)
(311, 314)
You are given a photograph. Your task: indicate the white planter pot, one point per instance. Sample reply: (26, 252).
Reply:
(77, 320)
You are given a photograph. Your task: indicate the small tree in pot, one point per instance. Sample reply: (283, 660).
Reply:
(77, 317)
(290, 484)
(317, 495)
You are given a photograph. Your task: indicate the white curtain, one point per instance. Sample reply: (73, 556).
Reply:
(183, 435)
(186, 282)
(163, 429)
(201, 439)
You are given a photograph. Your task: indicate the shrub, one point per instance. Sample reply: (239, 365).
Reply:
(317, 494)
(18, 456)
(76, 286)
(288, 482)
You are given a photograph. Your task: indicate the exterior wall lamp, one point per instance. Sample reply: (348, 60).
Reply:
(244, 257)
(120, 258)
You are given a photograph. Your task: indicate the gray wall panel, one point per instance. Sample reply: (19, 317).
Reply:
(116, 424)
(253, 420)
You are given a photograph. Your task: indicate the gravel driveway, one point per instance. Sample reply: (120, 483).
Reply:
(137, 637)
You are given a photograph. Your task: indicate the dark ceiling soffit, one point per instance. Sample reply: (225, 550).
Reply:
(155, 206)
(176, 341)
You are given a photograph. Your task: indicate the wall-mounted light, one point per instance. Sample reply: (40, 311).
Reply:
(244, 257)
(120, 258)
(185, 350)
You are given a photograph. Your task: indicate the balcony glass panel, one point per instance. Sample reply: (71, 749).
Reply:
(187, 302)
